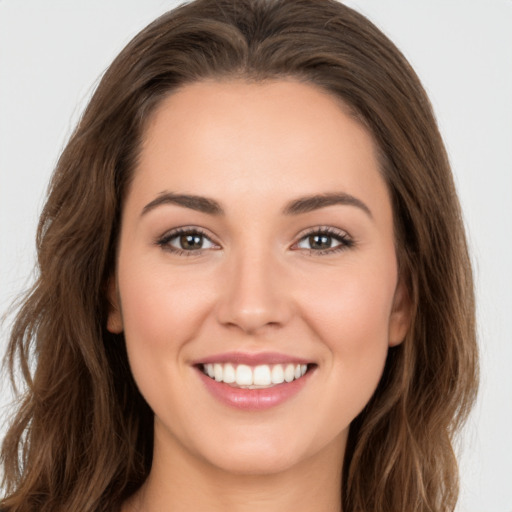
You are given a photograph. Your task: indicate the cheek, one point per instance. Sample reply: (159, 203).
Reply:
(351, 309)
(158, 306)
(350, 315)
(162, 311)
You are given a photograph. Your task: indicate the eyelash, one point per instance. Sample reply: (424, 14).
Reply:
(164, 241)
(345, 241)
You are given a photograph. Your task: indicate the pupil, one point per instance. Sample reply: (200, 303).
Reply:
(320, 241)
(191, 241)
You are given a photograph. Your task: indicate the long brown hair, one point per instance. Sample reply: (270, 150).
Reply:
(82, 435)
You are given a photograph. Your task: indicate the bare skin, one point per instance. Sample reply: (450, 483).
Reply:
(270, 271)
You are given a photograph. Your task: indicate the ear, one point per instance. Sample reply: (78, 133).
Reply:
(401, 314)
(114, 318)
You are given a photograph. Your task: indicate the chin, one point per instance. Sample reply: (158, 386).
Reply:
(256, 464)
(265, 453)
(253, 455)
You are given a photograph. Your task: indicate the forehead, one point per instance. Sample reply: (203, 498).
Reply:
(260, 140)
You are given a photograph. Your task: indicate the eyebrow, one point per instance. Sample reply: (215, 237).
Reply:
(199, 203)
(315, 202)
(296, 207)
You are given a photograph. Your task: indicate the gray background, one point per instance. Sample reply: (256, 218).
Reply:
(52, 53)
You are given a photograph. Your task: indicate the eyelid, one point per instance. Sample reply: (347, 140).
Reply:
(163, 240)
(345, 239)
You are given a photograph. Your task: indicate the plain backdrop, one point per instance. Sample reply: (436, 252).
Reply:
(53, 52)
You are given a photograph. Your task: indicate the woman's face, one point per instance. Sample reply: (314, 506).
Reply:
(256, 237)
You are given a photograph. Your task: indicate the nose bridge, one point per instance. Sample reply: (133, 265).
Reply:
(253, 295)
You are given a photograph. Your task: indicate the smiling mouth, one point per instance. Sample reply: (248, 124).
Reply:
(255, 377)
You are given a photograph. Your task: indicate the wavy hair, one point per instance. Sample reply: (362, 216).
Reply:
(81, 438)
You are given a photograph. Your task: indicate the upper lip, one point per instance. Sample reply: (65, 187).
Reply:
(252, 359)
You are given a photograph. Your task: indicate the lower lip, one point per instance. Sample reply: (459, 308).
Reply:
(254, 399)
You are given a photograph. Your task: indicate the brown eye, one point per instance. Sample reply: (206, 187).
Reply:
(190, 242)
(320, 241)
(324, 241)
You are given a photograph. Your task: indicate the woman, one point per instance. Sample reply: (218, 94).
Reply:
(254, 286)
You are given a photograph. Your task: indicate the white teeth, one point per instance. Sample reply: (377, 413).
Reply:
(229, 374)
(289, 373)
(260, 376)
(277, 374)
(243, 375)
(217, 372)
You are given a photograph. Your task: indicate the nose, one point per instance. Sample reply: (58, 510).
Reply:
(254, 296)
